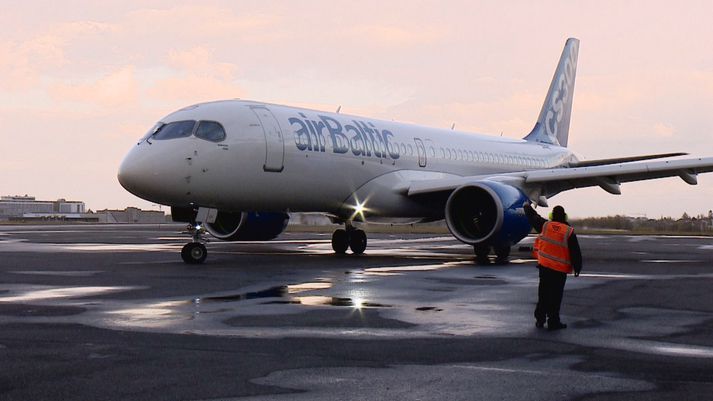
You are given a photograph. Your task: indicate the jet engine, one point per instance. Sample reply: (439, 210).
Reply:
(248, 226)
(487, 213)
(239, 226)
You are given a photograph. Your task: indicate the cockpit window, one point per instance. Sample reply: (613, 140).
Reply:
(176, 129)
(151, 132)
(210, 131)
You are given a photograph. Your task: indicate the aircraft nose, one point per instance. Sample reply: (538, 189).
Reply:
(132, 173)
(128, 173)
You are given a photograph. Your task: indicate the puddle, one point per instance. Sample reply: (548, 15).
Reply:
(272, 292)
(285, 293)
(429, 308)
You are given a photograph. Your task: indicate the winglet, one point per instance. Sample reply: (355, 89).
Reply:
(552, 125)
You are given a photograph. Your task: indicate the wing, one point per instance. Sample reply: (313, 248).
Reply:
(550, 182)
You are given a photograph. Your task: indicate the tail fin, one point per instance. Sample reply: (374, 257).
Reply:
(553, 123)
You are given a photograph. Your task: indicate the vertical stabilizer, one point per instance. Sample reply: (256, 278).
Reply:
(553, 123)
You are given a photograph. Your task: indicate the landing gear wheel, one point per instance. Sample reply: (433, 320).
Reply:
(340, 241)
(501, 255)
(357, 241)
(194, 253)
(481, 254)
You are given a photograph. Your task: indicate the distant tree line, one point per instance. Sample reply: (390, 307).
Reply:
(686, 224)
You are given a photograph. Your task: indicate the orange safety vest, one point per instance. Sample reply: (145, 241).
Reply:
(552, 249)
(535, 245)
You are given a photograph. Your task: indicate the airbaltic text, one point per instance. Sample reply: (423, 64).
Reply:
(359, 137)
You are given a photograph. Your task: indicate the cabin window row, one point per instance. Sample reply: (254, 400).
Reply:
(487, 157)
(480, 157)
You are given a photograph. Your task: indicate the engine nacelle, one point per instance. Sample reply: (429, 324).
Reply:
(238, 226)
(248, 226)
(487, 212)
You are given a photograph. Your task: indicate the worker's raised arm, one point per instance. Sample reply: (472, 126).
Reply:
(536, 221)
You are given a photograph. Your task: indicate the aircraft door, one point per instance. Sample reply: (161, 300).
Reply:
(274, 140)
(421, 152)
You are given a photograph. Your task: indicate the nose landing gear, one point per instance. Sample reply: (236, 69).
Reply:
(349, 238)
(195, 251)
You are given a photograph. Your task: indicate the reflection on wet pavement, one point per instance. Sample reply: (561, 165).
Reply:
(30, 294)
(399, 290)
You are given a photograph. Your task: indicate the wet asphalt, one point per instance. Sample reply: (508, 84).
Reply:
(112, 313)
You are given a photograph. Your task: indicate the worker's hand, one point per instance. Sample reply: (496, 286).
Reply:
(576, 273)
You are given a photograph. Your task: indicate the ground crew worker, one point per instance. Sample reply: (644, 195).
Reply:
(558, 254)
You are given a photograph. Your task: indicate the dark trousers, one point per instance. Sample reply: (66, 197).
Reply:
(549, 295)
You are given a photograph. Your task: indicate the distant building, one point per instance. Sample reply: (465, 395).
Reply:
(28, 207)
(131, 215)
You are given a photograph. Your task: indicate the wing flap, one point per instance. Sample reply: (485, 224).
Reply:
(623, 172)
(561, 179)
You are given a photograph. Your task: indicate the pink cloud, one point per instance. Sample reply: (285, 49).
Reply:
(200, 60)
(395, 36)
(118, 88)
(192, 88)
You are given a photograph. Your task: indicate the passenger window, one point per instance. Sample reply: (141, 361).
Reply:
(176, 129)
(210, 131)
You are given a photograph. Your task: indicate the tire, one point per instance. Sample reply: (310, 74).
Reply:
(194, 253)
(340, 241)
(481, 254)
(357, 241)
(502, 255)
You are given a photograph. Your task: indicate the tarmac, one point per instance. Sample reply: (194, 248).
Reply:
(110, 312)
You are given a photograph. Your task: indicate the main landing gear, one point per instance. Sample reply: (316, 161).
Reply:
(195, 251)
(349, 238)
(502, 254)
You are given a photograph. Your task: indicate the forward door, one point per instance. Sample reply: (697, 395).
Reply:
(274, 140)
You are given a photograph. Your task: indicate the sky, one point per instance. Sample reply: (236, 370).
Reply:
(81, 81)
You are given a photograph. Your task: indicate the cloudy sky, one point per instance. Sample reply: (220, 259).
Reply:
(81, 81)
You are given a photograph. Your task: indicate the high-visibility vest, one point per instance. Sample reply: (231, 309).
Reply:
(552, 249)
(535, 245)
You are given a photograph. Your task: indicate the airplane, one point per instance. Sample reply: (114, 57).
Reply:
(237, 168)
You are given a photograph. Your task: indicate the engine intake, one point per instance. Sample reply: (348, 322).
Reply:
(487, 212)
(238, 226)
(248, 226)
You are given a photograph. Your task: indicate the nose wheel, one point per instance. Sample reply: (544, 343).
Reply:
(195, 251)
(349, 238)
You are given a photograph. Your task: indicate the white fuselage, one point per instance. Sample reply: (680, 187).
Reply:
(279, 158)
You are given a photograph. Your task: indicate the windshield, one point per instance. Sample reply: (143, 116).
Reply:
(150, 132)
(210, 131)
(176, 129)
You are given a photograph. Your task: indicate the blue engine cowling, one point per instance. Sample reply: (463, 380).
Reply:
(488, 213)
(248, 226)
